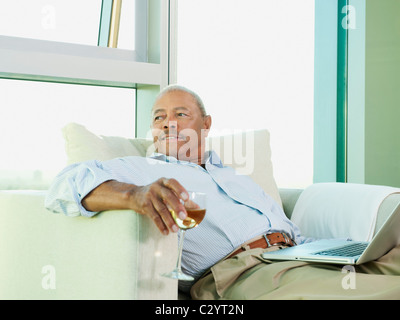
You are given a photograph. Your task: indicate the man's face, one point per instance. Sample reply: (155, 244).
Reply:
(178, 127)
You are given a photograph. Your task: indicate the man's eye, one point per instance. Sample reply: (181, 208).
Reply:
(181, 114)
(157, 118)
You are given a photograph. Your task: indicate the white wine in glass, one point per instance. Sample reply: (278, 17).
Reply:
(196, 210)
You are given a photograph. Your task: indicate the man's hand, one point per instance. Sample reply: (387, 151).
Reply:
(154, 200)
(157, 199)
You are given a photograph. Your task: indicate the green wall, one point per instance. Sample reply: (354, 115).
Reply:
(145, 97)
(373, 129)
(382, 89)
(356, 96)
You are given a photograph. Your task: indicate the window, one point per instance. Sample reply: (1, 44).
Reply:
(33, 114)
(127, 37)
(55, 69)
(72, 21)
(252, 62)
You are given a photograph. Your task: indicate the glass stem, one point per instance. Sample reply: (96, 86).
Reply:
(181, 236)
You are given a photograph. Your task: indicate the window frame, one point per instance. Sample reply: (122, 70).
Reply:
(331, 92)
(30, 59)
(50, 61)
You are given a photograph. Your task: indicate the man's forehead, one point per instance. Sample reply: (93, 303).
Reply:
(158, 109)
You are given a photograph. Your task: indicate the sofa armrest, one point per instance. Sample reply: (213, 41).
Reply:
(114, 255)
(289, 198)
(386, 208)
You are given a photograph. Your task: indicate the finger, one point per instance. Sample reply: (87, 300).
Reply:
(147, 202)
(153, 215)
(172, 202)
(162, 219)
(165, 215)
(175, 186)
(190, 204)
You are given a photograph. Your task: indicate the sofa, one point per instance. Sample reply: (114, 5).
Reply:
(120, 254)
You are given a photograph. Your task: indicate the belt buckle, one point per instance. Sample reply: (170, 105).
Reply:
(285, 238)
(288, 240)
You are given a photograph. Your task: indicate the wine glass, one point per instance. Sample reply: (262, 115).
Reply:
(196, 209)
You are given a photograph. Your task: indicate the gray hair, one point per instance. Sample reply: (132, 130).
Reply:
(175, 87)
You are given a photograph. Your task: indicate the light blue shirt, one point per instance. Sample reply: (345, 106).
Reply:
(237, 208)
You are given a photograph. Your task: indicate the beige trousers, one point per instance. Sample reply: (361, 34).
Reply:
(248, 276)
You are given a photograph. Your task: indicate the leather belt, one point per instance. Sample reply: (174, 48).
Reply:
(265, 241)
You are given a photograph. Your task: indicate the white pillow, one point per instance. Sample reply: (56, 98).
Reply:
(82, 145)
(248, 152)
(340, 210)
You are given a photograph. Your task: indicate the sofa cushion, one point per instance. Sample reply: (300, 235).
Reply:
(248, 152)
(81, 145)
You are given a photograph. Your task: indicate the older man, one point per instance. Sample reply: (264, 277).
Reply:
(238, 210)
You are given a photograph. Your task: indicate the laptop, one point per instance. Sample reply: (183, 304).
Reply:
(342, 251)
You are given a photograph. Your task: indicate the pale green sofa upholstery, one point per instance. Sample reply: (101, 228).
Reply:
(116, 254)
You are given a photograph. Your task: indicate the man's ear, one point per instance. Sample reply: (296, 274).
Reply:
(207, 125)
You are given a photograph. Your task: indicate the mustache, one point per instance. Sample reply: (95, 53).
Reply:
(171, 135)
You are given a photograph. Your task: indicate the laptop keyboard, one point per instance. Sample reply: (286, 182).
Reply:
(349, 250)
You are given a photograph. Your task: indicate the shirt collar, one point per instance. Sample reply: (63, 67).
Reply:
(211, 157)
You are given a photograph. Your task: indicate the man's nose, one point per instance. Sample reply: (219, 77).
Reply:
(172, 124)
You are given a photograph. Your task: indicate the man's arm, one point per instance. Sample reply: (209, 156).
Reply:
(152, 200)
